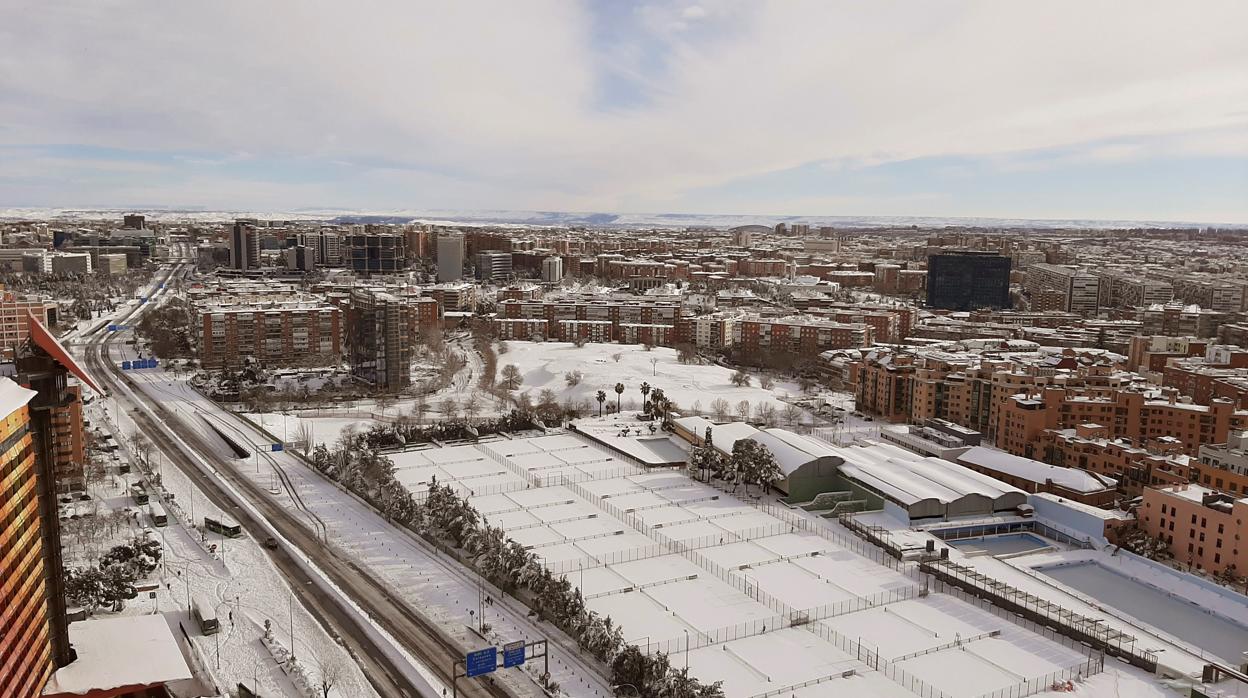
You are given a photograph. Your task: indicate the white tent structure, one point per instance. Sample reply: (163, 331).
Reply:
(917, 487)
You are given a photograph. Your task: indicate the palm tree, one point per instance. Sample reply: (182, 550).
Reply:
(619, 390)
(658, 403)
(602, 397)
(645, 392)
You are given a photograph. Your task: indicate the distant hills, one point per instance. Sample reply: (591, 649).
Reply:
(544, 219)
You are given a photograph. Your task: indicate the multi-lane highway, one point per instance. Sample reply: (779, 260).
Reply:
(352, 596)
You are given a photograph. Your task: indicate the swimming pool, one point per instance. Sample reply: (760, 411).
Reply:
(1175, 616)
(1006, 544)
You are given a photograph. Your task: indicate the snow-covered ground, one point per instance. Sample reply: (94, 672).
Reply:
(690, 386)
(325, 430)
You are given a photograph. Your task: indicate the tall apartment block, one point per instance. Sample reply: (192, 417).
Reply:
(376, 253)
(1080, 289)
(968, 281)
(26, 661)
(493, 265)
(379, 327)
(34, 637)
(244, 246)
(450, 257)
(1120, 289)
(552, 270)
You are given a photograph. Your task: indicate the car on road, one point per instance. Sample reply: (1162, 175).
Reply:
(270, 543)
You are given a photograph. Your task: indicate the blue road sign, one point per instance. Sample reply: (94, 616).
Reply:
(112, 328)
(278, 447)
(480, 662)
(513, 653)
(125, 365)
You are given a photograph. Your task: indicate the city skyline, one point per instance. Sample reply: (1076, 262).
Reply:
(716, 108)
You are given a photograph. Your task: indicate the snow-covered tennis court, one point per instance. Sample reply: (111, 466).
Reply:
(766, 599)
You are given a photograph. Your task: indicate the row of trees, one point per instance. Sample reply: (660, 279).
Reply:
(750, 464)
(449, 519)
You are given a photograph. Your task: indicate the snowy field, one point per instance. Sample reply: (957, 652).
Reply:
(761, 597)
(690, 386)
(325, 430)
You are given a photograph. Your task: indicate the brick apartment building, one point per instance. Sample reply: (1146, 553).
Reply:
(1126, 414)
(1151, 353)
(605, 320)
(276, 334)
(1222, 372)
(1089, 447)
(758, 339)
(15, 316)
(1202, 528)
(968, 389)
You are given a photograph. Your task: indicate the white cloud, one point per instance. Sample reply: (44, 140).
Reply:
(500, 97)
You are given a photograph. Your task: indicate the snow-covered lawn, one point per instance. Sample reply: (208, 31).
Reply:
(545, 364)
(325, 430)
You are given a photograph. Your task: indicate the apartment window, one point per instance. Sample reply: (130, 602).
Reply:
(1217, 558)
(1193, 519)
(1191, 548)
(1221, 527)
(1202, 522)
(1191, 533)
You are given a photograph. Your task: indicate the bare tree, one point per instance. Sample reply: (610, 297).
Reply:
(743, 410)
(766, 413)
(329, 675)
(766, 382)
(720, 408)
(740, 379)
(472, 406)
(449, 408)
(792, 413)
(420, 407)
(304, 436)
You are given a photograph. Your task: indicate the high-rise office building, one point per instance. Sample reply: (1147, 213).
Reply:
(552, 270)
(450, 257)
(493, 265)
(379, 331)
(376, 253)
(965, 280)
(244, 246)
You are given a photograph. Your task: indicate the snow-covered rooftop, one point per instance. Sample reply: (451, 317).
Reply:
(124, 652)
(1036, 471)
(910, 478)
(13, 396)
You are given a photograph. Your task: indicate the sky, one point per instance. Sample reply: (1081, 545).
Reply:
(1063, 109)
